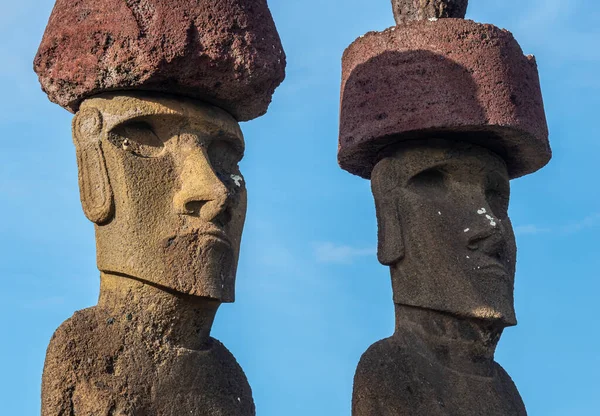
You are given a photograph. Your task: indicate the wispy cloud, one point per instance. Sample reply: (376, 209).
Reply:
(590, 221)
(531, 230)
(327, 252)
(45, 303)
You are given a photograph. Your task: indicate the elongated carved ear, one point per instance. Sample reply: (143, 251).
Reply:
(94, 187)
(390, 241)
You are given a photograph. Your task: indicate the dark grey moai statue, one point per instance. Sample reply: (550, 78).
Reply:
(440, 123)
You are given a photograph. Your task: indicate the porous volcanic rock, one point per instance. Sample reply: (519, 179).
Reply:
(142, 351)
(450, 78)
(225, 52)
(405, 10)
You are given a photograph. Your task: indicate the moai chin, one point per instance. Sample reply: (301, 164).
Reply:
(440, 114)
(158, 88)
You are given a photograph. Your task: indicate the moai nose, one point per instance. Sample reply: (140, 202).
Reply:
(202, 193)
(486, 235)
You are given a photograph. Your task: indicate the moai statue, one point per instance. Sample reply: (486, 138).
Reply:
(158, 88)
(440, 114)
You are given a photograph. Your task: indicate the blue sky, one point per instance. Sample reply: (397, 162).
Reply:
(311, 295)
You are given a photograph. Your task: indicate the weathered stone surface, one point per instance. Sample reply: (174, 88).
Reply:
(406, 10)
(226, 52)
(435, 364)
(442, 213)
(444, 230)
(445, 78)
(142, 351)
(172, 191)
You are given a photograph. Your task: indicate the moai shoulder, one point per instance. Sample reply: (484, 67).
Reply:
(396, 376)
(101, 363)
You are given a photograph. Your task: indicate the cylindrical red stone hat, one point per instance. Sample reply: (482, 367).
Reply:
(445, 78)
(225, 52)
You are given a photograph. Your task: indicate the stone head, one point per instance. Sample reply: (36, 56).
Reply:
(159, 177)
(444, 228)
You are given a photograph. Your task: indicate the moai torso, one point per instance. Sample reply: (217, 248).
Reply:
(101, 363)
(410, 374)
(395, 379)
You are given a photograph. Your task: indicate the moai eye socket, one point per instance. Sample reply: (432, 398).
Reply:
(137, 138)
(430, 181)
(497, 194)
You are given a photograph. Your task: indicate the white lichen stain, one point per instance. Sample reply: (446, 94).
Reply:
(492, 220)
(433, 19)
(439, 212)
(467, 230)
(237, 179)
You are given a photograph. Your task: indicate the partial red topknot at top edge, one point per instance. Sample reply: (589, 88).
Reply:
(406, 10)
(225, 52)
(450, 78)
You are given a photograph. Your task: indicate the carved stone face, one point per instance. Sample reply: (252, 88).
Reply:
(444, 229)
(160, 179)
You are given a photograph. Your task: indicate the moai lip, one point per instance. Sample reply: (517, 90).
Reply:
(407, 10)
(225, 52)
(445, 78)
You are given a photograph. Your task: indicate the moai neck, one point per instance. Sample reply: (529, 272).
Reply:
(177, 320)
(464, 345)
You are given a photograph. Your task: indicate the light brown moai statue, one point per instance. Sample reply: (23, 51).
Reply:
(158, 87)
(440, 115)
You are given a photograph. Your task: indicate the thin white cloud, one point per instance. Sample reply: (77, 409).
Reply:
(531, 230)
(45, 303)
(327, 252)
(588, 222)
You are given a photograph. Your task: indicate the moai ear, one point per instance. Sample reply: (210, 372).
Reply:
(94, 187)
(390, 241)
